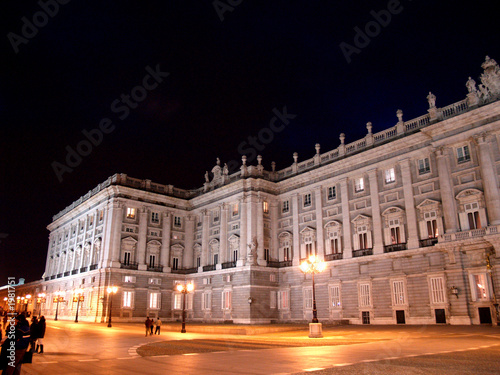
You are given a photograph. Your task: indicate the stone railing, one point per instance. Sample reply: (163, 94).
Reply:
(469, 234)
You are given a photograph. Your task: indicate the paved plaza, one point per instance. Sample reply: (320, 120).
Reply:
(84, 348)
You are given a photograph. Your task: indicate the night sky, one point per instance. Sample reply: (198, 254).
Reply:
(220, 74)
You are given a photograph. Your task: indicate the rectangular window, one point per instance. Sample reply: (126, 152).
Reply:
(226, 300)
(390, 176)
(152, 259)
(177, 301)
(265, 207)
(463, 154)
(432, 229)
(398, 292)
(364, 295)
(91, 222)
(126, 258)
(437, 290)
(127, 299)
(283, 303)
(154, 281)
(335, 296)
(130, 213)
(307, 200)
(235, 209)
(235, 255)
(334, 243)
(155, 218)
(272, 300)
(359, 185)
(198, 262)
(216, 258)
(267, 255)
(285, 207)
(332, 194)
(177, 221)
(206, 301)
(101, 215)
(175, 263)
(129, 279)
(154, 300)
(479, 285)
(308, 299)
(363, 241)
(474, 221)
(286, 253)
(395, 235)
(424, 166)
(309, 249)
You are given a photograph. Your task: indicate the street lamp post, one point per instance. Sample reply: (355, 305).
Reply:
(40, 300)
(58, 298)
(26, 302)
(184, 289)
(79, 297)
(111, 290)
(313, 265)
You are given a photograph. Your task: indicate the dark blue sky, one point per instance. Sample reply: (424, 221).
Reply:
(225, 78)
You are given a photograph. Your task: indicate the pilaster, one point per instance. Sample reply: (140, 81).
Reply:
(346, 219)
(490, 180)
(411, 214)
(320, 240)
(141, 241)
(446, 190)
(223, 255)
(165, 241)
(296, 233)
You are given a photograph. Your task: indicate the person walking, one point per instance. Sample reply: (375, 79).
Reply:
(152, 326)
(148, 323)
(158, 326)
(33, 333)
(40, 334)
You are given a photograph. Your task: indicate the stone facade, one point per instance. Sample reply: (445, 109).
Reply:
(407, 220)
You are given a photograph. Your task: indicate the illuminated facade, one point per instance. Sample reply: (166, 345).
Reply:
(407, 220)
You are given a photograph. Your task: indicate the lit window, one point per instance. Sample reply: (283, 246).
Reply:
(395, 231)
(479, 286)
(129, 279)
(285, 207)
(130, 213)
(101, 215)
(335, 296)
(91, 221)
(307, 200)
(226, 300)
(390, 176)
(359, 185)
(127, 299)
(463, 154)
(364, 295)
(206, 301)
(155, 217)
(177, 221)
(177, 301)
(154, 300)
(424, 166)
(265, 207)
(283, 300)
(235, 209)
(332, 194)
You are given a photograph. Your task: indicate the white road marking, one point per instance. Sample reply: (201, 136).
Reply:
(342, 364)
(313, 369)
(46, 362)
(88, 360)
(126, 358)
(191, 354)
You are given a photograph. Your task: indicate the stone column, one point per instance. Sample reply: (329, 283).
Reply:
(260, 233)
(204, 238)
(447, 194)
(378, 238)
(242, 252)
(188, 255)
(320, 238)
(141, 240)
(223, 255)
(346, 219)
(295, 230)
(113, 235)
(411, 214)
(274, 213)
(165, 241)
(490, 180)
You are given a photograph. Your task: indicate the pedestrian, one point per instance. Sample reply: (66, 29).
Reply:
(33, 333)
(40, 334)
(151, 327)
(148, 325)
(22, 340)
(158, 326)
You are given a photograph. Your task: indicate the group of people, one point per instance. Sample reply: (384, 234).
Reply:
(18, 340)
(151, 324)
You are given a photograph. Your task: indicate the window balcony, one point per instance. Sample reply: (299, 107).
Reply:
(92, 267)
(67, 273)
(275, 264)
(394, 247)
(83, 269)
(155, 269)
(74, 272)
(428, 242)
(129, 266)
(210, 267)
(59, 275)
(333, 256)
(362, 252)
(229, 265)
(185, 271)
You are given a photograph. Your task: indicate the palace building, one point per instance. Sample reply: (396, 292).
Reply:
(406, 219)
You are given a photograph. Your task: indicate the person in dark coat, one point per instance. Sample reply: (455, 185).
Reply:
(148, 324)
(22, 341)
(40, 334)
(33, 333)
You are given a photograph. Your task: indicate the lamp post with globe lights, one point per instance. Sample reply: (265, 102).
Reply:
(39, 301)
(313, 265)
(77, 298)
(58, 298)
(111, 291)
(184, 289)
